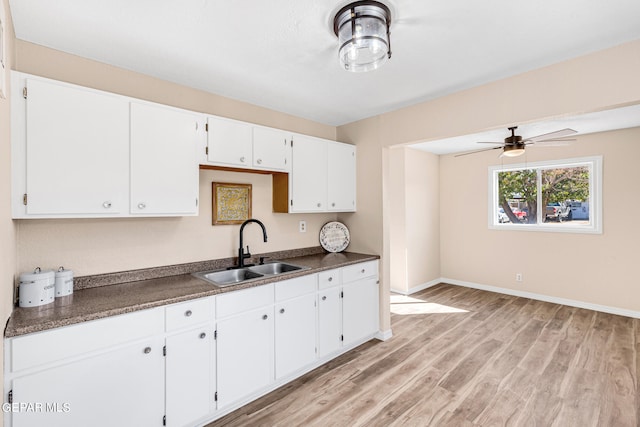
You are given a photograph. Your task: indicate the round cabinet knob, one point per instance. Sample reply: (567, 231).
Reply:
(188, 313)
(147, 350)
(141, 206)
(362, 271)
(333, 205)
(106, 205)
(203, 336)
(331, 279)
(259, 161)
(281, 310)
(324, 298)
(319, 204)
(242, 159)
(265, 317)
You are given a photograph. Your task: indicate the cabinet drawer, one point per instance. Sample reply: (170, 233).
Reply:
(359, 271)
(56, 344)
(295, 287)
(188, 313)
(328, 279)
(244, 300)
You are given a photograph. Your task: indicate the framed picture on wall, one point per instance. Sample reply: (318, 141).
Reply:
(231, 203)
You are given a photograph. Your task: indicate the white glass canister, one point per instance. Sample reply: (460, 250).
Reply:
(64, 282)
(37, 288)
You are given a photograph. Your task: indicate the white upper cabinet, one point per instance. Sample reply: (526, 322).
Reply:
(164, 167)
(82, 153)
(232, 143)
(341, 177)
(323, 176)
(75, 148)
(308, 176)
(229, 142)
(271, 148)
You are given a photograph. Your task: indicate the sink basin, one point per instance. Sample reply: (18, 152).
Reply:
(274, 268)
(241, 275)
(228, 277)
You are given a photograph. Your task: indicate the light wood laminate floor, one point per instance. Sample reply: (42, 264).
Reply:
(466, 357)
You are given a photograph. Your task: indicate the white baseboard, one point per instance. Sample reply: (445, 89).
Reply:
(418, 288)
(546, 298)
(384, 335)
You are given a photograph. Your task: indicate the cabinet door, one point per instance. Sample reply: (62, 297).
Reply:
(77, 151)
(359, 309)
(295, 333)
(308, 175)
(189, 371)
(229, 142)
(270, 148)
(124, 387)
(341, 179)
(329, 321)
(244, 355)
(164, 168)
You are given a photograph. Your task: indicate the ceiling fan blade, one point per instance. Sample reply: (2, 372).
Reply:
(552, 135)
(546, 141)
(489, 142)
(477, 151)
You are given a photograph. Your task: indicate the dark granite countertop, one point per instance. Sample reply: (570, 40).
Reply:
(100, 296)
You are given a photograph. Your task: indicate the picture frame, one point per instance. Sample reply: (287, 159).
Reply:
(231, 203)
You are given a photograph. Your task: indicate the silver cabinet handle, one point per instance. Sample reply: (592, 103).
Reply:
(203, 336)
(242, 159)
(265, 317)
(188, 313)
(362, 271)
(324, 298)
(259, 161)
(141, 205)
(333, 205)
(319, 204)
(106, 205)
(147, 350)
(331, 279)
(281, 310)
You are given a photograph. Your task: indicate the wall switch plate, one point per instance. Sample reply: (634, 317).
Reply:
(303, 226)
(518, 277)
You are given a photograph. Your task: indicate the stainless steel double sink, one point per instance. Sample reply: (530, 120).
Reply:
(237, 276)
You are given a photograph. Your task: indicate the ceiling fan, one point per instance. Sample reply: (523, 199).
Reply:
(514, 145)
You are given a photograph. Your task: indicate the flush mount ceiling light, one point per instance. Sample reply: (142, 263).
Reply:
(362, 28)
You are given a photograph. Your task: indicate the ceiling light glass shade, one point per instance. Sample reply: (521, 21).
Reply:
(513, 150)
(362, 28)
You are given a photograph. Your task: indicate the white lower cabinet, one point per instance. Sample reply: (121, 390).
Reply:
(189, 363)
(245, 354)
(295, 337)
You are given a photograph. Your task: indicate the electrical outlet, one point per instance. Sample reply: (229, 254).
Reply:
(303, 226)
(518, 277)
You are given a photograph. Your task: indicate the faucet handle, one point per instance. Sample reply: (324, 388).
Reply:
(247, 254)
(262, 258)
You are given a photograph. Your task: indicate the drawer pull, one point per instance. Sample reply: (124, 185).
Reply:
(265, 317)
(147, 350)
(106, 205)
(203, 336)
(324, 298)
(362, 271)
(281, 310)
(330, 279)
(188, 313)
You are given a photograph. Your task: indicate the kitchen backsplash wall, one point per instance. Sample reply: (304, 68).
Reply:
(93, 246)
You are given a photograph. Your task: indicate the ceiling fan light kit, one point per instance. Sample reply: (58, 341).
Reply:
(362, 28)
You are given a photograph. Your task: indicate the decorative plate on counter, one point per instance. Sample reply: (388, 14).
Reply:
(334, 236)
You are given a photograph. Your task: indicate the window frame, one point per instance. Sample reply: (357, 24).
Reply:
(593, 163)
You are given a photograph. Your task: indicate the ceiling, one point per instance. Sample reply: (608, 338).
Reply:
(282, 54)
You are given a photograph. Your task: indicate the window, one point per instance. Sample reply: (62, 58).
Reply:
(562, 196)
